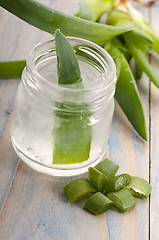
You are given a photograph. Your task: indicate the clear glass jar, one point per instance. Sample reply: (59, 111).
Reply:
(54, 123)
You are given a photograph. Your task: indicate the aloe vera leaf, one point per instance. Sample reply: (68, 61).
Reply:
(98, 203)
(48, 19)
(138, 71)
(122, 199)
(92, 10)
(68, 67)
(115, 54)
(137, 42)
(140, 22)
(116, 17)
(72, 133)
(115, 183)
(77, 189)
(11, 69)
(117, 43)
(141, 60)
(107, 167)
(139, 187)
(141, 39)
(97, 178)
(72, 139)
(127, 95)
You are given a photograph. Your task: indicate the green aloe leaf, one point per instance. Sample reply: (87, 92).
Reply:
(72, 133)
(98, 203)
(141, 60)
(93, 9)
(11, 69)
(140, 22)
(138, 71)
(117, 17)
(48, 19)
(137, 42)
(127, 94)
(68, 67)
(122, 199)
(78, 189)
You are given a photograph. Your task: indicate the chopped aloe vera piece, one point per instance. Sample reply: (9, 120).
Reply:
(122, 199)
(139, 187)
(107, 167)
(97, 178)
(72, 133)
(114, 183)
(98, 203)
(77, 189)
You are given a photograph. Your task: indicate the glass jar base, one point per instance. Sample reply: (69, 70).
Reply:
(51, 170)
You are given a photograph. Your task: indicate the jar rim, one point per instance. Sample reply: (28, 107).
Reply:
(110, 70)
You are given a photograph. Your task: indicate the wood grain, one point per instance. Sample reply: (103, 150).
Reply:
(37, 209)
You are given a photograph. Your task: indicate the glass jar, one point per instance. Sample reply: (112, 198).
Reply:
(63, 130)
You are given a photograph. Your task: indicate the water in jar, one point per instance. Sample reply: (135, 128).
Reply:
(33, 121)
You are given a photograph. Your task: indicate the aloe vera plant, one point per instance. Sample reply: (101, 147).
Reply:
(71, 133)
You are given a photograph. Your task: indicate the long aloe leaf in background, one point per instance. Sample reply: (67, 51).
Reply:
(127, 93)
(48, 19)
(72, 133)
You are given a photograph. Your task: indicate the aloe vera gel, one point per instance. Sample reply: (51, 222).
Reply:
(61, 128)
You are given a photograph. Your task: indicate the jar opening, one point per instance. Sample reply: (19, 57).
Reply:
(97, 71)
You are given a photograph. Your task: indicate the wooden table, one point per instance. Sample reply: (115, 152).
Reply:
(32, 205)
